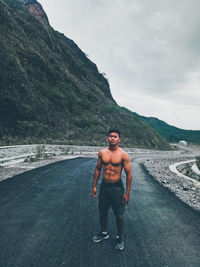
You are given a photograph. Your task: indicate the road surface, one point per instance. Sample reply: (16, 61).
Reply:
(48, 217)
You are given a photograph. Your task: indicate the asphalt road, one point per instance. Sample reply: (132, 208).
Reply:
(48, 217)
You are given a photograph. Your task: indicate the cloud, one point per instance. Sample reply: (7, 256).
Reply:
(149, 50)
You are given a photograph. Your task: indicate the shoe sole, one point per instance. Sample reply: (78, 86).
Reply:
(117, 248)
(96, 241)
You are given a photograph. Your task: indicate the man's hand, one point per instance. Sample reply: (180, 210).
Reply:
(94, 192)
(126, 198)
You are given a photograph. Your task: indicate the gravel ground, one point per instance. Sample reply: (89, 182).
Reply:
(185, 189)
(13, 169)
(156, 163)
(12, 157)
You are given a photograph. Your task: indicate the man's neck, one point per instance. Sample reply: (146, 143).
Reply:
(113, 148)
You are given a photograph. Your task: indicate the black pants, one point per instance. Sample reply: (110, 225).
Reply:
(111, 195)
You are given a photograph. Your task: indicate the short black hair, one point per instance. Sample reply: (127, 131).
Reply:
(113, 131)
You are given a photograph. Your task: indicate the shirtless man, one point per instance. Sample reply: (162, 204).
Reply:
(111, 193)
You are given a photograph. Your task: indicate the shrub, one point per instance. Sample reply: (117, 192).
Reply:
(67, 151)
(40, 151)
(30, 159)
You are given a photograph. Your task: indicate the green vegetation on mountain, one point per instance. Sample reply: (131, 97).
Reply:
(51, 92)
(170, 133)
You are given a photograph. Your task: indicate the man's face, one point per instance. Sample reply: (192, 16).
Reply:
(113, 139)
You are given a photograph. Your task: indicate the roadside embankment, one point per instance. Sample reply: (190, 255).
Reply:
(20, 158)
(185, 188)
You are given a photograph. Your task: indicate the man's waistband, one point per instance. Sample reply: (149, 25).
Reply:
(118, 183)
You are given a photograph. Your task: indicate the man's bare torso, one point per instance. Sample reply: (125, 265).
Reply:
(112, 164)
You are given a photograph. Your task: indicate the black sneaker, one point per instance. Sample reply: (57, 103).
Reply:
(119, 244)
(99, 237)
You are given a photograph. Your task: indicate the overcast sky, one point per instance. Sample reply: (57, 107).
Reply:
(149, 50)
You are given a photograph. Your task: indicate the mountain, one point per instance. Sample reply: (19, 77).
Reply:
(51, 92)
(171, 133)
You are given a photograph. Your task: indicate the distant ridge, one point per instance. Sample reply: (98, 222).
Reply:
(51, 92)
(171, 133)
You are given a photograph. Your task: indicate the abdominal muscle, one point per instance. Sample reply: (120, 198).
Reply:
(112, 174)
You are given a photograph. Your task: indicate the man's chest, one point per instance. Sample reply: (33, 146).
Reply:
(112, 158)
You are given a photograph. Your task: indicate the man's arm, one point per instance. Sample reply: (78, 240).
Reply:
(127, 168)
(97, 173)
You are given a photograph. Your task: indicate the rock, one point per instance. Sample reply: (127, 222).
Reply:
(33, 7)
(185, 189)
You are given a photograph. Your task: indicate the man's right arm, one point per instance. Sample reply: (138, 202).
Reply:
(97, 173)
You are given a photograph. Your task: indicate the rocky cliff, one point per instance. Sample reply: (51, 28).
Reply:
(31, 6)
(50, 91)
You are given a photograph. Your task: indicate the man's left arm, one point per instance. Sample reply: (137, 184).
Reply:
(127, 169)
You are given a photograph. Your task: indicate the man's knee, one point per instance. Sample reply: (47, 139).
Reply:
(103, 217)
(119, 217)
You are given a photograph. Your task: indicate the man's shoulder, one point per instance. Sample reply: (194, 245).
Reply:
(124, 153)
(103, 150)
(122, 150)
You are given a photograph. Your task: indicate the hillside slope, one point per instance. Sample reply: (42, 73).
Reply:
(50, 91)
(171, 133)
